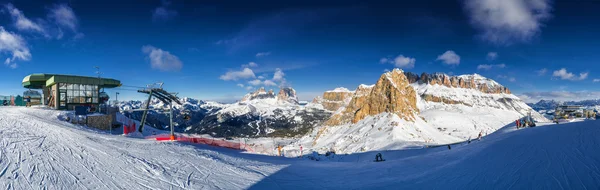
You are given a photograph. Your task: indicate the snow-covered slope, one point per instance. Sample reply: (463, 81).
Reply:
(380, 132)
(40, 152)
(467, 112)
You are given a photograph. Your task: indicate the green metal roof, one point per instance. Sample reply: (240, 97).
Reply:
(40, 80)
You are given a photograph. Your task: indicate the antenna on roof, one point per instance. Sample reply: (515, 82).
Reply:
(98, 71)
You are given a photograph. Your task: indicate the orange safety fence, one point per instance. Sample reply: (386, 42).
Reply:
(202, 140)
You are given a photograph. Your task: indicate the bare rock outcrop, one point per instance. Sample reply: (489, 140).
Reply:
(261, 93)
(287, 94)
(334, 99)
(474, 81)
(391, 94)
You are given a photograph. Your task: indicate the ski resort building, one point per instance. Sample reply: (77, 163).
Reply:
(68, 91)
(567, 111)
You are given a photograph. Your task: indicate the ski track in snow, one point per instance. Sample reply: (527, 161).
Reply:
(37, 151)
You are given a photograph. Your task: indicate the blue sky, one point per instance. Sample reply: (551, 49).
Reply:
(221, 50)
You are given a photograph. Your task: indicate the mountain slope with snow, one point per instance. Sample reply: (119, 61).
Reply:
(433, 109)
(259, 114)
(38, 151)
(467, 112)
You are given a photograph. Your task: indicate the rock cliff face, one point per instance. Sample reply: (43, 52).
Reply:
(474, 81)
(334, 99)
(287, 94)
(432, 98)
(261, 93)
(392, 94)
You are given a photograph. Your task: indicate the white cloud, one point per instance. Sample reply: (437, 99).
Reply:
(269, 83)
(162, 60)
(400, 61)
(14, 45)
(508, 21)
(383, 60)
(492, 56)
(245, 73)
(63, 15)
(250, 64)
(255, 82)
(404, 62)
(249, 88)
(21, 22)
(565, 75)
(596, 80)
(533, 97)
(163, 13)
(263, 54)
(252, 80)
(542, 72)
(60, 17)
(258, 82)
(490, 66)
(510, 79)
(449, 58)
(278, 75)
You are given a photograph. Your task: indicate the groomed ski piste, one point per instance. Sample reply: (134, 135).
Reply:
(39, 151)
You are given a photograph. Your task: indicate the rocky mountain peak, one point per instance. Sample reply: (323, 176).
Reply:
(261, 93)
(474, 81)
(392, 94)
(332, 100)
(287, 94)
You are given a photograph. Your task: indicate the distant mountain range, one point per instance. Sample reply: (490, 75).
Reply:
(551, 104)
(259, 114)
(401, 109)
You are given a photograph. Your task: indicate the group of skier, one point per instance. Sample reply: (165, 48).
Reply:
(523, 122)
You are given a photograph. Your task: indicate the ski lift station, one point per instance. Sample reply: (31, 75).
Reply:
(65, 92)
(575, 111)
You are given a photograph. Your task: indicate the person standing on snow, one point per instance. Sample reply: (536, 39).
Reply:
(279, 149)
(480, 134)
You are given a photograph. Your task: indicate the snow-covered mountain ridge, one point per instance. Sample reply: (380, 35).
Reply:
(431, 109)
(399, 110)
(258, 114)
(551, 104)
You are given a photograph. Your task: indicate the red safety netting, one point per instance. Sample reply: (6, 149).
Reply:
(202, 140)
